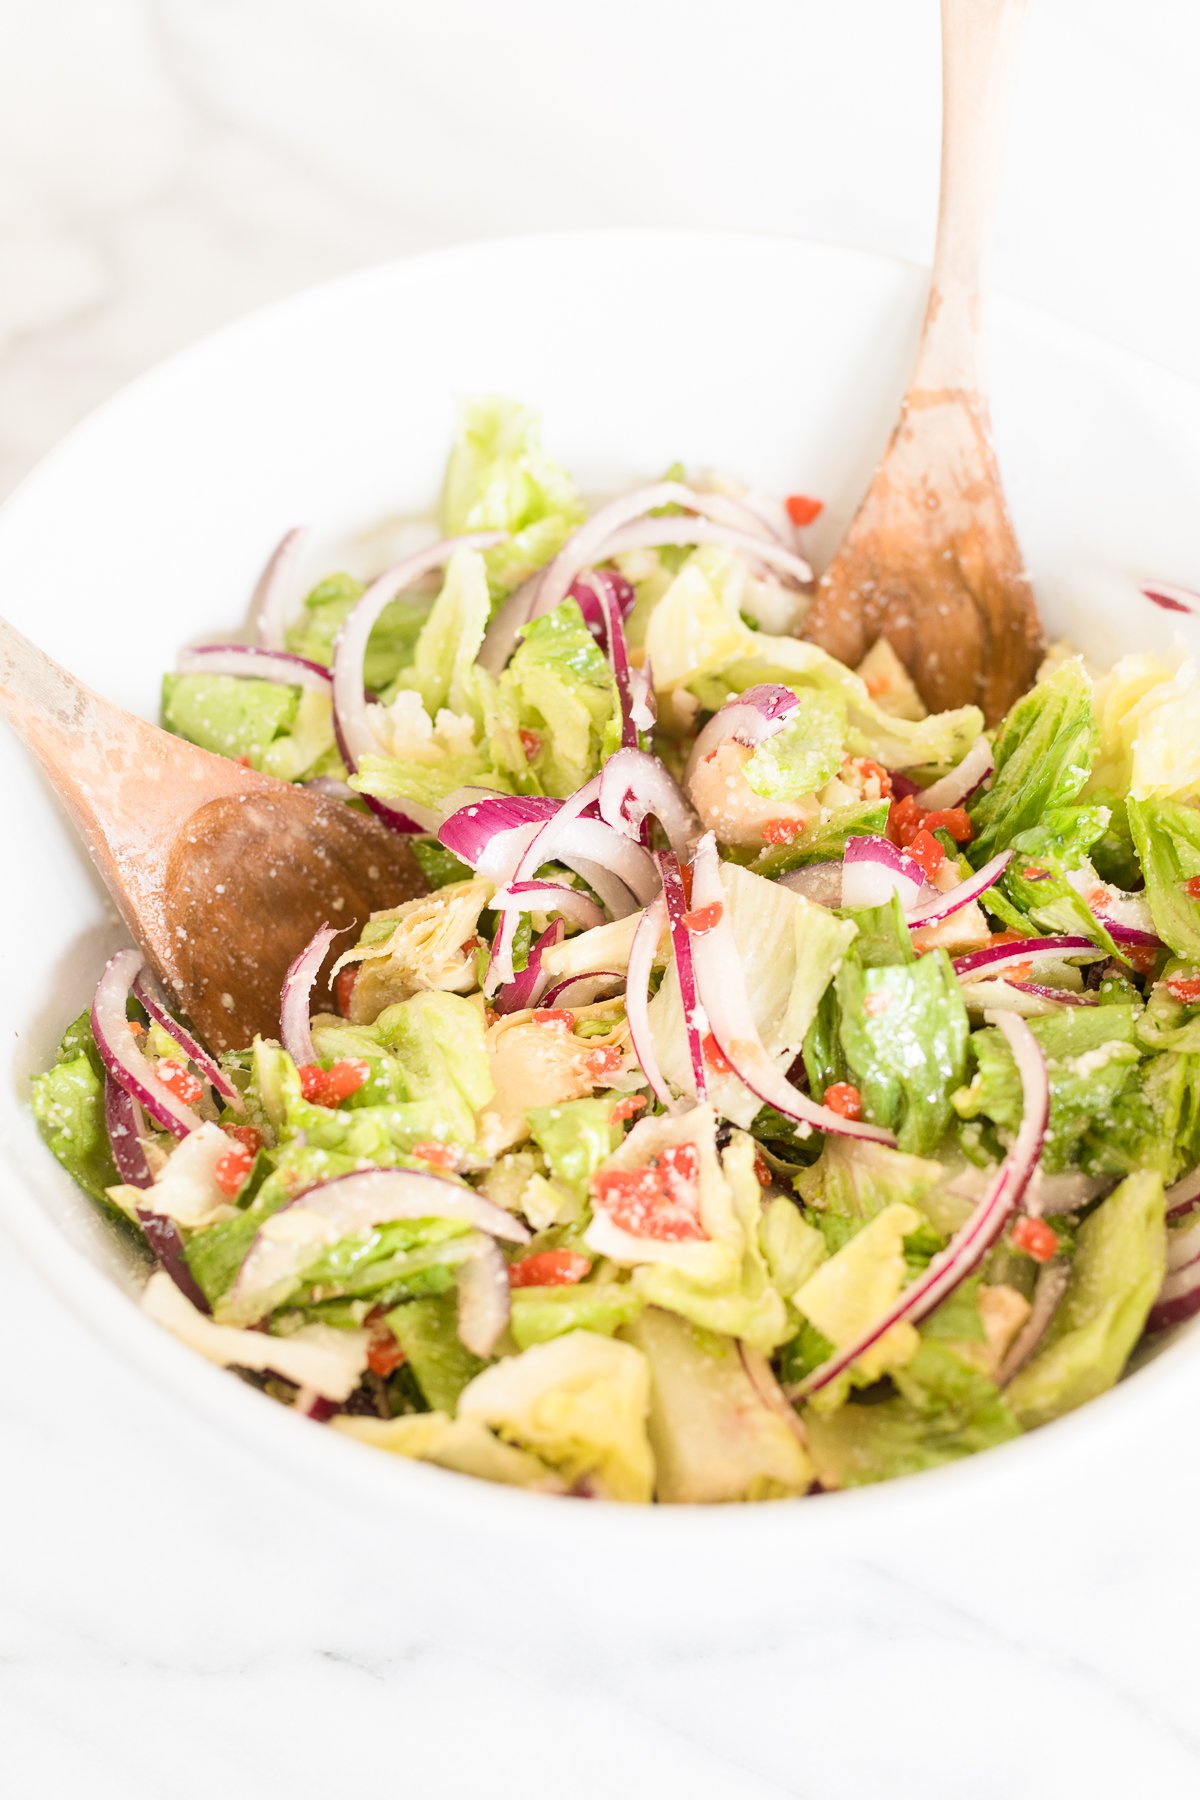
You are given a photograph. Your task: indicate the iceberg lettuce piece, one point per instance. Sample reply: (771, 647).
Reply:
(559, 686)
(1167, 836)
(499, 478)
(68, 1104)
(1118, 1268)
(1148, 714)
(804, 755)
(714, 1437)
(575, 1138)
(231, 715)
(948, 1410)
(855, 1180)
(539, 1314)
(427, 1332)
(846, 1294)
(459, 1444)
(1044, 755)
(580, 1403)
(790, 949)
(314, 632)
(443, 668)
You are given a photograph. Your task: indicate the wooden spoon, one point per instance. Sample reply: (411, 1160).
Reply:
(931, 561)
(221, 874)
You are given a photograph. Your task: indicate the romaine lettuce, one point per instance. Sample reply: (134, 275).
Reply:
(499, 478)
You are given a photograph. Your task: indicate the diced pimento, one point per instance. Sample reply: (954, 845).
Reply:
(553, 1015)
(1191, 887)
(136, 1028)
(802, 510)
(549, 1268)
(876, 1004)
(1142, 957)
(627, 1109)
(873, 771)
(1035, 1238)
(384, 1355)
(233, 1170)
(329, 1087)
(905, 819)
(437, 1155)
(703, 919)
(660, 1201)
(1184, 988)
(248, 1136)
(714, 1056)
(843, 1098)
(531, 744)
(604, 1061)
(783, 831)
(343, 987)
(953, 820)
(186, 1087)
(927, 852)
(1031, 872)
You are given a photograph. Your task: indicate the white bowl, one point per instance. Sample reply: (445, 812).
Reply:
(779, 360)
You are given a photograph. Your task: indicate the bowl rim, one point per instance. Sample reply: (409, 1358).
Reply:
(263, 1427)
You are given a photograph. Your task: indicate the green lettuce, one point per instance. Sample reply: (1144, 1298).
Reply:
(804, 755)
(542, 1313)
(443, 668)
(499, 478)
(575, 1139)
(427, 1332)
(1167, 836)
(826, 840)
(68, 1104)
(389, 649)
(1118, 1268)
(559, 686)
(1044, 755)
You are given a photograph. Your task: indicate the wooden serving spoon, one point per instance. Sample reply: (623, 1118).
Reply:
(221, 874)
(931, 561)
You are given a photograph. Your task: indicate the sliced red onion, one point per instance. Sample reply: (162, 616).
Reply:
(526, 987)
(330, 786)
(751, 718)
(635, 786)
(593, 842)
(1126, 917)
(618, 656)
(681, 945)
(969, 1245)
(762, 515)
(348, 1206)
(126, 1126)
(762, 1379)
(295, 1001)
(1060, 996)
(1184, 1197)
(354, 733)
(502, 634)
(995, 957)
(491, 835)
(721, 986)
(637, 999)
(585, 547)
(120, 1053)
(582, 990)
(1172, 598)
(541, 847)
(148, 994)
(549, 897)
(962, 781)
(820, 882)
(677, 529)
(942, 906)
(873, 870)
(1179, 1296)
(163, 1237)
(589, 590)
(1048, 1290)
(260, 664)
(902, 784)
(269, 601)
(484, 1301)
(643, 701)
(1183, 1248)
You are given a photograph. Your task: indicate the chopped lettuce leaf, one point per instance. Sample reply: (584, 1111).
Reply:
(499, 478)
(542, 1313)
(459, 1444)
(559, 686)
(1148, 713)
(575, 1138)
(229, 714)
(802, 756)
(68, 1104)
(846, 1294)
(314, 633)
(443, 668)
(1119, 1264)
(427, 1332)
(1044, 756)
(1167, 836)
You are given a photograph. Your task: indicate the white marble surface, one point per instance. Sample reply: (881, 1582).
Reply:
(175, 1619)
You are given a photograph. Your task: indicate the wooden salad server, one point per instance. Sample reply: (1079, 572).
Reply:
(931, 561)
(221, 874)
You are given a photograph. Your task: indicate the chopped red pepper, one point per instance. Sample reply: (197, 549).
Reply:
(1018, 972)
(843, 1098)
(659, 1201)
(801, 510)
(783, 831)
(185, 1086)
(439, 1156)
(233, 1169)
(136, 1028)
(1035, 1238)
(343, 987)
(549, 1268)
(1141, 957)
(329, 1087)
(925, 850)
(873, 771)
(384, 1355)
(714, 1056)
(1191, 887)
(1184, 988)
(604, 1060)
(951, 819)
(248, 1136)
(762, 1169)
(703, 919)
(628, 1108)
(1005, 937)
(531, 743)
(553, 1015)
(904, 821)
(1031, 872)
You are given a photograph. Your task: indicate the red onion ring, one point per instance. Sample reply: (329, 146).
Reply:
(675, 529)
(259, 664)
(1172, 598)
(149, 995)
(295, 1000)
(750, 718)
(819, 882)
(873, 869)
(348, 1206)
(635, 786)
(962, 781)
(1049, 1288)
(1060, 996)
(969, 1245)
(525, 988)
(994, 957)
(120, 1053)
(163, 1237)
(491, 834)
(1184, 1196)
(637, 999)
(125, 1125)
(681, 945)
(548, 897)
(582, 990)
(484, 1303)
(722, 990)
(268, 603)
(941, 906)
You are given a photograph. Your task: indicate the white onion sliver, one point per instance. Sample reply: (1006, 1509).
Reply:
(249, 660)
(269, 601)
(873, 870)
(942, 906)
(971, 1243)
(637, 999)
(120, 1053)
(962, 781)
(295, 1000)
(681, 945)
(483, 1298)
(722, 990)
(676, 529)
(634, 786)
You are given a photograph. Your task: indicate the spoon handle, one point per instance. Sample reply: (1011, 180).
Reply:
(979, 57)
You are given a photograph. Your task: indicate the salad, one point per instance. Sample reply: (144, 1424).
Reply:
(778, 1088)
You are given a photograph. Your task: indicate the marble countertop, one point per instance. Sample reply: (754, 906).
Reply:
(175, 1619)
